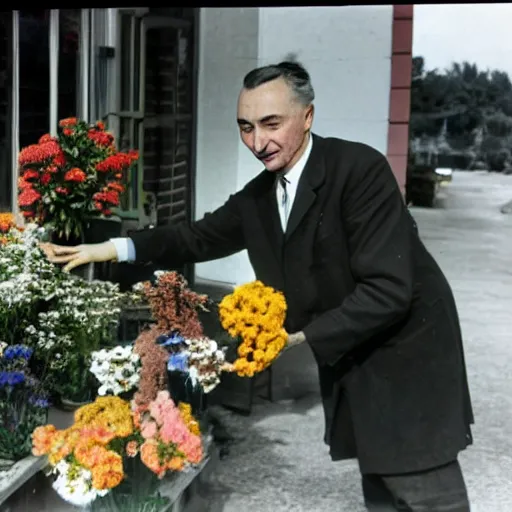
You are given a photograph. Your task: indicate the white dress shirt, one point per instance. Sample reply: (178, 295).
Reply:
(292, 181)
(125, 247)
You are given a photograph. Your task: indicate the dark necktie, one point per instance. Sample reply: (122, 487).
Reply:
(285, 199)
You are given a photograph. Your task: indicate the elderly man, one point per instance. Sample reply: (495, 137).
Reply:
(325, 223)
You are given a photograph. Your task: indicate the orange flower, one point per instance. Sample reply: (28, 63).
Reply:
(68, 132)
(42, 438)
(69, 121)
(115, 186)
(75, 175)
(149, 457)
(176, 464)
(132, 449)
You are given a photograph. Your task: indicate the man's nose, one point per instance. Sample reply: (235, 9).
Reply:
(260, 142)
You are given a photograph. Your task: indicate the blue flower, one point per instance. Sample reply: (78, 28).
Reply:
(178, 362)
(172, 339)
(18, 352)
(11, 378)
(42, 403)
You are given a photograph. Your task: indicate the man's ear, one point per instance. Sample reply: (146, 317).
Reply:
(309, 116)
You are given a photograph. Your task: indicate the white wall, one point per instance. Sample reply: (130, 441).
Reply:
(347, 51)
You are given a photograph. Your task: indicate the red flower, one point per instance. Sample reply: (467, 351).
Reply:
(107, 212)
(113, 185)
(100, 125)
(60, 159)
(69, 121)
(110, 197)
(29, 214)
(39, 153)
(133, 154)
(46, 178)
(100, 138)
(31, 174)
(76, 175)
(117, 163)
(52, 169)
(22, 183)
(28, 197)
(62, 190)
(46, 138)
(67, 132)
(98, 205)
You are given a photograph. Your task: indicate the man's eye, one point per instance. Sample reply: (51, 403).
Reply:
(273, 126)
(246, 129)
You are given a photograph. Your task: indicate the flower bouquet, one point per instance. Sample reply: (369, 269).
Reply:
(254, 313)
(67, 179)
(92, 458)
(194, 361)
(23, 402)
(117, 370)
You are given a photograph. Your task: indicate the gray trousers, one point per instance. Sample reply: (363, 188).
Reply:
(435, 490)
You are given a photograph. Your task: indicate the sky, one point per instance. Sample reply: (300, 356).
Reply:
(477, 33)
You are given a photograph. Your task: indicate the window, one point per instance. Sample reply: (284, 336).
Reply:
(34, 75)
(69, 63)
(5, 109)
(130, 104)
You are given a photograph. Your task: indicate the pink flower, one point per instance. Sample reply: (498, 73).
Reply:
(148, 429)
(192, 448)
(173, 432)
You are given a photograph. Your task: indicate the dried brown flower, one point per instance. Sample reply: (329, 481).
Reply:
(174, 306)
(153, 372)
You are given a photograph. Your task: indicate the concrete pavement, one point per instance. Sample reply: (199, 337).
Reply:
(279, 462)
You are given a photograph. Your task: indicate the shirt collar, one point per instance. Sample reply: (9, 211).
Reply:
(294, 174)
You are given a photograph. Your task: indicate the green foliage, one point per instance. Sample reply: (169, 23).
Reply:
(468, 99)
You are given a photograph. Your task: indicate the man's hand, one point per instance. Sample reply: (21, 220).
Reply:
(80, 254)
(295, 339)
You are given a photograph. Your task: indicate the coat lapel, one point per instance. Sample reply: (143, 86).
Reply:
(269, 214)
(311, 179)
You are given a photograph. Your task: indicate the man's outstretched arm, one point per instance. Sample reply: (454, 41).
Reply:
(216, 235)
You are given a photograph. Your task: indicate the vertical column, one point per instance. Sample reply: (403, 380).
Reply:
(15, 105)
(400, 94)
(54, 70)
(85, 36)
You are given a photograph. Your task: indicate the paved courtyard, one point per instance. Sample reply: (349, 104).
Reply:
(279, 462)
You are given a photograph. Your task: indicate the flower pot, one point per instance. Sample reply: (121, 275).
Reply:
(101, 229)
(69, 405)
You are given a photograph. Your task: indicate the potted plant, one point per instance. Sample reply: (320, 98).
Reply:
(61, 317)
(23, 403)
(69, 180)
(81, 317)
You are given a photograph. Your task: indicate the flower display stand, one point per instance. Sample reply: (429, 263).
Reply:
(174, 487)
(22, 471)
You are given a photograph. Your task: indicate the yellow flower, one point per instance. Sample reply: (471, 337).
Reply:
(256, 313)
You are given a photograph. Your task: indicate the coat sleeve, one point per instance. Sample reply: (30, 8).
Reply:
(216, 235)
(380, 246)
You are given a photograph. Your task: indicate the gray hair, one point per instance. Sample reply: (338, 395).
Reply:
(292, 72)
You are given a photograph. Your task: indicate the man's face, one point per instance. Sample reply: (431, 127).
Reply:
(273, 124)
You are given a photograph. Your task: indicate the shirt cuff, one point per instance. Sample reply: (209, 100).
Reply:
(125, 249)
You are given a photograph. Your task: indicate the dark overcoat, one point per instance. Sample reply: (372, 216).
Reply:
(376, 309)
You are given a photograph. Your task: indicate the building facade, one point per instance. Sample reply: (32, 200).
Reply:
(166, 83)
